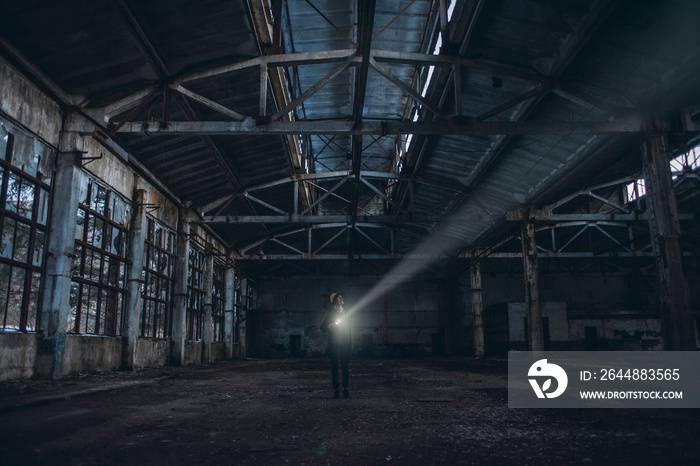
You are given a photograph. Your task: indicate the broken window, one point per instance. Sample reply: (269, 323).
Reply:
(217, 304)
(686, 163)
(195, 293)
(156, 314)
(98, 272)
(23, 224)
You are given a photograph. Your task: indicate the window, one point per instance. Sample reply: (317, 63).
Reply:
(156, 313)
(687, 162)
(195, 294)
(217, 303)
(684, 163)
(636, 190)
(99, 266)
(24, 206)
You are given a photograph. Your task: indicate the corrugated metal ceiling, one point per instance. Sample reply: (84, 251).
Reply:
(578, 58)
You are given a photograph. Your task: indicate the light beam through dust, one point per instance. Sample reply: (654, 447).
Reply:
(437, 246)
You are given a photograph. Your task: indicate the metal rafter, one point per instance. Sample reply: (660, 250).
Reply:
(365, 25)
(568, 51)
(454, 126)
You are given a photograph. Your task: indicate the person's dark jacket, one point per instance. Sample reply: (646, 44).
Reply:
(340, 334)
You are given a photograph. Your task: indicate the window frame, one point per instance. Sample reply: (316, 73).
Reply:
(33, 267)
(218, 301)
(164, 247)
(195, 293)
(78, 322)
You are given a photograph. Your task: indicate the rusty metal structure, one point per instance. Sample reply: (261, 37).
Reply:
(339, 137)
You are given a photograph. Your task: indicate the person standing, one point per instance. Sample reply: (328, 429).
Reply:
(339, 327)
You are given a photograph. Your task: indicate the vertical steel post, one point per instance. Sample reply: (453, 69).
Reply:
(182, 260)
(134, 300)
(676, 314)
(242, 328)
(477, 309)
(263, 89)
(208, 328)
(533, 308)
(229, 312)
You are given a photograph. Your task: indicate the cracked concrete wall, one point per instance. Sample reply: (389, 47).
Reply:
(23, 102)
(35, 121)
(92, 354)
(18, 354)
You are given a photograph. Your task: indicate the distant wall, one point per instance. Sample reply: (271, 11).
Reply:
(410, 320)
(623, 310)
(434, 316)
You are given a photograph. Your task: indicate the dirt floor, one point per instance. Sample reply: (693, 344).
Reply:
(417, 411)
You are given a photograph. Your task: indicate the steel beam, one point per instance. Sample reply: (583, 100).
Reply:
(208, 103)
(335, 257)
(676, 314)
(477, 309)
(406, 88)
(288, 59)
(320, 219)
(533, 308)
(397, 256)
(455, 126)
(365, 25)
(536, 92)
(337, 29)
(312, 90)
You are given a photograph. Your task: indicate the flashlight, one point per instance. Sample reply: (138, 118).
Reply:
(337, 322)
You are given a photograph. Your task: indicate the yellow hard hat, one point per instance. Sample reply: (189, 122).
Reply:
(333, 295)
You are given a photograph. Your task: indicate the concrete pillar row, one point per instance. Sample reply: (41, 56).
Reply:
(55, 303)
(208, 327)
(477, 309)
(676, 313)
(134, 283)
(182, 260)
(533, 307)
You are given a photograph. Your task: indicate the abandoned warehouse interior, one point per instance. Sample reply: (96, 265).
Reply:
(188, 182)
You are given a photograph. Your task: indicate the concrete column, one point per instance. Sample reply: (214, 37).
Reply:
(676, 315)
(55, 305)
(242, 324)
(229, 312)
(134, 281)
(477, 309)
(533, 308)
(182, 261)
(208, 328)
